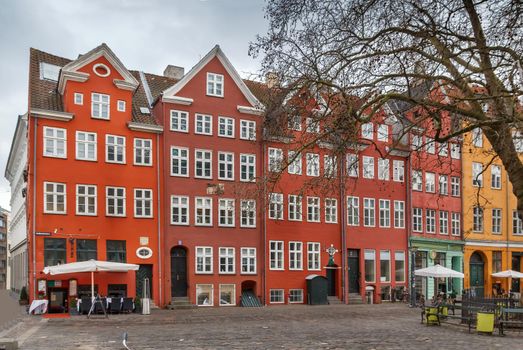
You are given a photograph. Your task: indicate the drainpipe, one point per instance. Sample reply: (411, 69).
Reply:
(507, 219)
(33, 239)
(343, 231)
(408, 224)
(158, 219)
(264, 201)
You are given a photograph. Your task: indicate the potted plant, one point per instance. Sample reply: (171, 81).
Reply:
(73, 306)
(24, 298)
(137, 305)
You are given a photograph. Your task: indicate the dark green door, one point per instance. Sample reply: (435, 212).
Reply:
(145, 271)
(331, 280)
(178, 272)
(516, 266)
(477, 274)
(354, 271)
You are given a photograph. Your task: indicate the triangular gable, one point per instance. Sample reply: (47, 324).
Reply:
(71, 70)
(215, 52)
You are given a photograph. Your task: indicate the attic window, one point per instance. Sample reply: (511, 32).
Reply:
(49, 71)
(145, 110)
(101, 70)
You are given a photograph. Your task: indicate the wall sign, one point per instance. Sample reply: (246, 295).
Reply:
(144, 252)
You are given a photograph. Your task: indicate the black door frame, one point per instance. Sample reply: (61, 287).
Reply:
(178, 292)
(355, 259)
(331, 279)
(476, 260)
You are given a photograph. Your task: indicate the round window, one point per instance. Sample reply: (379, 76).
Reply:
(101, 70)
(144, 252)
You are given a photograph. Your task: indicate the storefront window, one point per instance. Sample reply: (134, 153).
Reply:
(86, 249)
(496, 261)
(227, 294)
(420, 262)
(117, 290)
(385, 293)
(385, 266)
(116, 251)
(204, 295)
(54, 251)
(441, 259)
(370, 265)
(399, 263)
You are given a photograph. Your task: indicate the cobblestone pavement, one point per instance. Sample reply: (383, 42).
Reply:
(386, 326)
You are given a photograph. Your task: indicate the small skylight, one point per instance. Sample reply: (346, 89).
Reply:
(144, 110)
(49, 71)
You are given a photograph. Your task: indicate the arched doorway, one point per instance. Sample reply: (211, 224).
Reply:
(178, 272)
(477, 274)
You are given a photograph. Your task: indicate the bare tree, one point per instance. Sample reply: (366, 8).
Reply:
(378, 51)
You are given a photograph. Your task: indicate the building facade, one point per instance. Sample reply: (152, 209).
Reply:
(4, 252)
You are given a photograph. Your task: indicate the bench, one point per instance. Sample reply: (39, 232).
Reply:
(505, 319)
(435, 314)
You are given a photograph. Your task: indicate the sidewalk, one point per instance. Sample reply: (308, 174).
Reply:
(11, 312)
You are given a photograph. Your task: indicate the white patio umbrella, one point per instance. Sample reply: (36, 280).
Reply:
(91, 266)
(438, 271)
(508, 274)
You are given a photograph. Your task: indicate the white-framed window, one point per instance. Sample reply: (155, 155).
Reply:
(369, 212)
(100, 106)
(248, 213)
(313, 164)
(443, 150)
(477, 219)
(86, 200)
(370, 265)
(417, 182)
(385, 265)
(398, 170)
(313, 256)
(312, 125)
(203, 260)
(179, 121)
(443, 185)
(399, 262)
(295, 256)
(248, 260)
(295, 296)
(203, 124)
(352, 165)
(517, 224)
(430, 182)
(353, 211)
(247, 167)
(383, 133)
(495, 171)
(416, 142)
(203, 211)
(294, 122)
(331, 210)
(454, 186)
(55, 142)
(226, 127)
(330, 166)
(430, 221)
(430, 145)
(143, 203)
(55, 198)
(384, 212)
(78, 98)
(367, 131)
(226, 260)
(417, 219)
(295, 207)
(496, 220)
(179, 161)
(455, 151)
(313, 209)
(179, 210)
(204, 295)
(115, 149)
(276, 296)
(276, 206)
(477, 137)
(456, 224)
(143, 149)
(227, 294)
(383, 169)
(443, 222)
(86, 145)
(214, 84)
(294, 161)
(226, 166)
(120, 106)
(399, 214)
(114, 201)
(517, 138)
(247, 130)
(276, 255)
(202, 164)
(368, 167)
(275, 159)
(477, 174)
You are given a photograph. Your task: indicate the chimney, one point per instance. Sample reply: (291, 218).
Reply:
(174, 72)
(272, 80)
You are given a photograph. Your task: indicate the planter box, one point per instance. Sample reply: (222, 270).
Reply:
(485, 322)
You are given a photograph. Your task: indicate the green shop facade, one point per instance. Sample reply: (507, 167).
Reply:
(425, 252)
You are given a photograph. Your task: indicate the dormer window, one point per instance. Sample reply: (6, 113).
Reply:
(214, 84)
(78, 98)
(100, 106)
(121, 106)
(49, 71)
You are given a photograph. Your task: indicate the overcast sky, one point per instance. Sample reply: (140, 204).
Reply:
(145, 34)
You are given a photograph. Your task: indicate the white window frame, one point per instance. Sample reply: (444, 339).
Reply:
(226, 121)
(399, 214)
(398, 170)
(233, 301)
(295, 205)
(180, 203)
(430, 145)
(383, 133)
(228, 164)
(331, 210)
(417, 180)
(120, 106)
(182, 121)
(280, 292)
(353, 211)
(206, 207)
(276, 206)
(367, 131)
(478, 216)
(430, 221)
(116, 198)
(247, 130)
(477, 174)
(313, 209)
(495, 176)
(496, 221)
(140, 201)
(215, 84)
(247, 163)
(275, 159)
(369, 212)
(383, 169)
(203, 121)
(330, 166)
(206, 256)
(517, 224)
(292, 293)
(294, 163)
(312, 125)
(248, 260)
(55, 140)
(179, 158)
(97, 99)
(313, 256)
(211, 301)
(294, 122)
(86, 197)
(295, 255)
(455, 151)
(248, 213)
(276, 255)
(443, 222)
(417, 220)
(78, 98)
(443, 149)
(352, 165)
(228, 254)
(313, 164)
(141, 150)
(55, 195)
(85, 145)
(117, 148)
(384, 213)
(443, 184)
(200, 157)
(368, 167)
(455, 224)
(430, 182)
(455, 190)
(477, 137)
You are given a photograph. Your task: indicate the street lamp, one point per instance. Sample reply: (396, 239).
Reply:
(412, 283)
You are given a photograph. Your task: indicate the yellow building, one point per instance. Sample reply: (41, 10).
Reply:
(493, 234)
